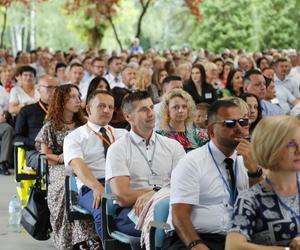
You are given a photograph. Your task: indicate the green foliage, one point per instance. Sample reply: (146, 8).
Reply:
(247, 24)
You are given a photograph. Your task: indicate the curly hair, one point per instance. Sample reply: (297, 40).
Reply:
(164, 108)
(57, 104)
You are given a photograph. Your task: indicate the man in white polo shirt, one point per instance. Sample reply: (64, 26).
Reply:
(206, 182)
(85, 152)
(141, 162)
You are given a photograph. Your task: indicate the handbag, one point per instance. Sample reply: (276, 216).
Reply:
(36, 215)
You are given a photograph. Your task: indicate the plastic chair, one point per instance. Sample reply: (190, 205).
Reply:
(159, 225)
(74, 211)
(111, 238)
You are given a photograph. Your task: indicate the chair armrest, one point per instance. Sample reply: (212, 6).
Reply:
(160, 225)
(109, 196)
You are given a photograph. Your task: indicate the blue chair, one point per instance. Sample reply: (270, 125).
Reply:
(159, 225)
(74, 211)
(111, 238)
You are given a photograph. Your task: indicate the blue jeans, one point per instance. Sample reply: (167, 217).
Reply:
(86, 199)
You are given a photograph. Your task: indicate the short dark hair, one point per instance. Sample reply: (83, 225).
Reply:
(279, 60)
(60, 65)
(168, 79)
(111, 59)
(259, 60)
(249, 73)
(127, 105)
(214, 109)
(96, 59)
(95, 93)
(25, 68)
(76, 64)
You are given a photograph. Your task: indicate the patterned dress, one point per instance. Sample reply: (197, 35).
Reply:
(260, 217)
(65, 234)
(189, 139)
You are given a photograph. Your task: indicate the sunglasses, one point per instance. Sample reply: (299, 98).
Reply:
(231, 123)
(293, 147)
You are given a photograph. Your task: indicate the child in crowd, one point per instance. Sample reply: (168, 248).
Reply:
(200, 119)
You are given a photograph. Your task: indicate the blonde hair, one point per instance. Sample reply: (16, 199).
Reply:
(243, 106)
(270, 137)
(164, 108)
(142, 74)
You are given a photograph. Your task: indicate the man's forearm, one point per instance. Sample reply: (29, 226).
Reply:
(85, 175)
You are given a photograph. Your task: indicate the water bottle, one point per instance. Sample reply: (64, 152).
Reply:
(14, 210)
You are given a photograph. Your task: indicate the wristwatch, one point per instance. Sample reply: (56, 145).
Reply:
(256, 174)
(194, 243)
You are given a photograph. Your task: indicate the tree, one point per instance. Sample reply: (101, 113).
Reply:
(97, 15)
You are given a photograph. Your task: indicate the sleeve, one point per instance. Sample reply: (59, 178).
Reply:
(244, 215)
(13, 96)
(72, 148)
(290, 97)
(178, 153)
(45, 136)
(21, 129)
(185, 186)
(116, 160)
(199, 139)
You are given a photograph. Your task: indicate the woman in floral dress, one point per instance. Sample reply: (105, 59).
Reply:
(64, 115)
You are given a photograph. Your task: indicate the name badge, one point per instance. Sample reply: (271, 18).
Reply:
(208, 95)
(156, 180)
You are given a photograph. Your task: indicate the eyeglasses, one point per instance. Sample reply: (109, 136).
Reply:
(293, 147)
(231, 123)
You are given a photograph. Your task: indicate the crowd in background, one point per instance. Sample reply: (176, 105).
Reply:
(43, 86)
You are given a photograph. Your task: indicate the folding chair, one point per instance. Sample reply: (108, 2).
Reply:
(159, 225)
(74, 211)
(24, 176)
(111, 238)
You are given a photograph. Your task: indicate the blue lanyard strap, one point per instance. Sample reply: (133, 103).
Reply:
(232, 193)
(288, 208)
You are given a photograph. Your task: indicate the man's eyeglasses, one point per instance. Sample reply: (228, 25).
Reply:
(231, 123)
(293, 147)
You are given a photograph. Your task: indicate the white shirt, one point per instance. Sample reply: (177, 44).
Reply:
(4, 99)
(19, 96)
(290, 83)
(83, 143)
(114, 81)
(284, 97)
(125, 159)
(197, 181)
(296, 110)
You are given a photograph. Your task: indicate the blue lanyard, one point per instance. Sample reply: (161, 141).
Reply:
(232, 193)
(297, 215)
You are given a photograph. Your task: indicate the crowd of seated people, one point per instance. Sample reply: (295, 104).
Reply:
(218, 133)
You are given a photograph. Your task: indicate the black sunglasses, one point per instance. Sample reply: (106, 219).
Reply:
(231, 123)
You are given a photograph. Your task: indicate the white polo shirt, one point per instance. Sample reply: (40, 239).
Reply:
(125, 159)
(197, 181)
(83, 143)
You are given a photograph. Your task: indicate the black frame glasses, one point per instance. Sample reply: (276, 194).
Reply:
(231, 123)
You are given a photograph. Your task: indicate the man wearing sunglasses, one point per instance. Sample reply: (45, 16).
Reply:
(206, 182)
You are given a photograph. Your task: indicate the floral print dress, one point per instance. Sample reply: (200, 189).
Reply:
(65, 234)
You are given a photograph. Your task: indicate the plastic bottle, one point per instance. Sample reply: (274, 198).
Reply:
(14, 210)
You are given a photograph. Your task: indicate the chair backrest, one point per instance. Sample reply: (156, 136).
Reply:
(160, 214)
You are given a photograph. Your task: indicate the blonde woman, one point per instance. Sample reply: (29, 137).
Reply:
(267, 216)
(177, 114)
(144, 77)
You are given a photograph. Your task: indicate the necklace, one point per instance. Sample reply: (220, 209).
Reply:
(69, 122)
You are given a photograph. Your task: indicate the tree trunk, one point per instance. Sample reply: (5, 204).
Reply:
(94, 38)
(115, 33)
(4, 27)
(32, 26)
(144, 10)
